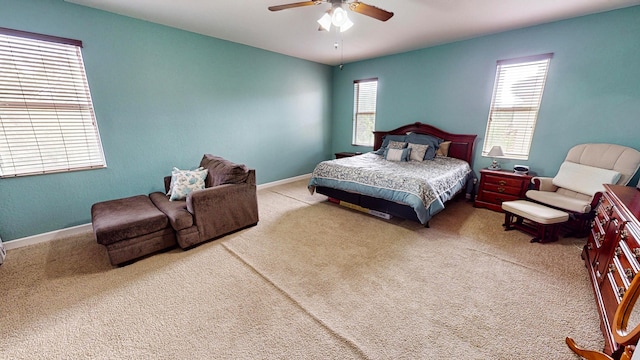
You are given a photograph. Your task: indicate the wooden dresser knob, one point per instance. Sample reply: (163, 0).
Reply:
(621, 291)
(624, 234)
(629, 273)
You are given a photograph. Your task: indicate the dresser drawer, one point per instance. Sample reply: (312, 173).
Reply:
(630, 247)
(609, 243)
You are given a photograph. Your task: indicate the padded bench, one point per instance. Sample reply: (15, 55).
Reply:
(131, 228)
(541, 221)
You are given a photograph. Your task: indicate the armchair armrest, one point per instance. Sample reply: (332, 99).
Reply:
(543, 183)
(222, 209)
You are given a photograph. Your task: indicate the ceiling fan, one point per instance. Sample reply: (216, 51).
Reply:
(336, 8)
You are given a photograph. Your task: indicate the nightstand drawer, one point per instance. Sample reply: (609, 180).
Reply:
(496, 198)
(502, 189)
(504, 181)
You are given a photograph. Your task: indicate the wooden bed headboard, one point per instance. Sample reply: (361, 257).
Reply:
(461, 144)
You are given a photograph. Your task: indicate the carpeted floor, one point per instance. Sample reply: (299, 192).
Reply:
(312, 281)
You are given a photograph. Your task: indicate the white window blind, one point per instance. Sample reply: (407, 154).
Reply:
(47, 122)
(364, 111)
(517, 94)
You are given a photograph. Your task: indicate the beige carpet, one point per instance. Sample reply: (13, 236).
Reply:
(312, 281)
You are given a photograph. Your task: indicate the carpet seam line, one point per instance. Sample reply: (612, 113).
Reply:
(348, 341)
(291, 197)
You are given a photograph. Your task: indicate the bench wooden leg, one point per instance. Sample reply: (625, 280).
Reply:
(507, 221)
(547, 233)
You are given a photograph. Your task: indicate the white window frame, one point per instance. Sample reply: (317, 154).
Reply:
(364, 107)
(517, 95)
(47, 121)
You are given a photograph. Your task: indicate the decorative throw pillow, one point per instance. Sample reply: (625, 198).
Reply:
(417, 151)
(185, 181)
(583, 178)
(387, 138)
(398, 154)
(443, 149)
(385, 142)
(397, 145)
(173, 178)
(424, 139)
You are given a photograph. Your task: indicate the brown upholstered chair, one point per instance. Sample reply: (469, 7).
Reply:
(227, 204)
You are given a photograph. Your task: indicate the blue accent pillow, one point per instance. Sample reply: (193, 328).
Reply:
(385, 142)
(423, 139)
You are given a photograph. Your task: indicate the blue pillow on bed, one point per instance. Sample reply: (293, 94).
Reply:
(423, 139)
(397, 154)
(385, 142)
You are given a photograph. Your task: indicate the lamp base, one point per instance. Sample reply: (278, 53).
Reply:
(494, 166)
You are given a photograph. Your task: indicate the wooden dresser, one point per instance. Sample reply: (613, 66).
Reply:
(612, 252)
(497, 186)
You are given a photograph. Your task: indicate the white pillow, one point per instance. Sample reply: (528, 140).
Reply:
(417, 151)
(185, 181)
(398, 154)
(584, 179)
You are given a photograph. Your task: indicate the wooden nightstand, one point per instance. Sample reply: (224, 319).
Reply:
(497, 186)
(346, 154)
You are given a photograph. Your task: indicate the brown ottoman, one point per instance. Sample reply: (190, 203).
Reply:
(131, 228)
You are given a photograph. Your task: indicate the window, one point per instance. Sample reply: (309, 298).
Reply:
(364, 111)
(47, 123)
(517, 94)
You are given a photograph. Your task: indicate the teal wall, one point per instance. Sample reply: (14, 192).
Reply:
(592, 92)
(163, 97)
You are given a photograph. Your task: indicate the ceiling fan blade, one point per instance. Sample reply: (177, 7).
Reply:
(369, 10)
(293, 5)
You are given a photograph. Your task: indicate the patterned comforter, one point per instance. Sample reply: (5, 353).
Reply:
(424, 185)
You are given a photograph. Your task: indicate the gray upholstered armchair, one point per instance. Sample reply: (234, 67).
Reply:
(227, 204)
(577, 187)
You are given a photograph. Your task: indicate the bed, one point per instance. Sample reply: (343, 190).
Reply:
(414, 190)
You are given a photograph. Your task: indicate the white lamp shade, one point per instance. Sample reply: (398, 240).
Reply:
(347, 25)
(325, 21)
(339, 17)
(336, 17)
(496, 151)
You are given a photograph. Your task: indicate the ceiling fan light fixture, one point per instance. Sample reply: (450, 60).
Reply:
(325, 21)
(339, 17)
(347, 25)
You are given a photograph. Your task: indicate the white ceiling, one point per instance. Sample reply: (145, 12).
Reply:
(416, 23)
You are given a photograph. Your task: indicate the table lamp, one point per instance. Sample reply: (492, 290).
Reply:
(496, 151)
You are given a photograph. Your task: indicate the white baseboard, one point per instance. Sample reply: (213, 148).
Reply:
(56, 234)
(283, 181)
(51, 235)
